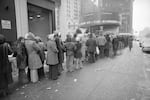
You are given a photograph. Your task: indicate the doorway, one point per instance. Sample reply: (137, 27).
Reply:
(40, 21)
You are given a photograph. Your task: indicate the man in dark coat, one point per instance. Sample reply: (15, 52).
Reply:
(5, 66)
(115, 43)
(21, 56)
(91, 48)
(60, 48)
(130, 42)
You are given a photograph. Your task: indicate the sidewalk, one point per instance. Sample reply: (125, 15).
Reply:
(144, 86)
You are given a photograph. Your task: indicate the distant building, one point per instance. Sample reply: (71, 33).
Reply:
(107, 15)
(67, 16)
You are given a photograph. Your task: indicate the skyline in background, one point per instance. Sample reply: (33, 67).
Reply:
(141, 14)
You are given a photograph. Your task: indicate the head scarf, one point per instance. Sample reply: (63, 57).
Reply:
(38, 39)
(30, 36)
(20, 39)
(2, 39)
(51, 37)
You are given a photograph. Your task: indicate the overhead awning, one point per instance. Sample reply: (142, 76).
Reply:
(127, 34)
(100, 23)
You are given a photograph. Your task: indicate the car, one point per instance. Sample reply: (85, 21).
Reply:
(145, 45)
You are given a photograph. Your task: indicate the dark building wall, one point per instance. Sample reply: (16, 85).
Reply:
(48, 5)
(7, 12)
(43, 25)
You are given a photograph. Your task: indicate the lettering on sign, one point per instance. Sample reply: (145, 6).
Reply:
(6, 24)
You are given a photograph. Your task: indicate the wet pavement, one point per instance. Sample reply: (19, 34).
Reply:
(118, 78)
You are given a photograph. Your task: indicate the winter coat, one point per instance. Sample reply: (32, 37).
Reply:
(52, 53)
(101, 41)
(21, 55)
(34, 61)
(61, 50)
(115, 43)
(78, 53)
(91, 45)
(5, 65)
(130, 42)
(70, 48)
(42, 51)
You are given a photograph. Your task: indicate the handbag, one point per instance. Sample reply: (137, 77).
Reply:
(97, 51)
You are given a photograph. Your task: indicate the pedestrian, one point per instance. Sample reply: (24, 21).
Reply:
(61, 50)
(130, 42)
(41, 53)
(52, 57)
(101, 41)
(21, 56)
(107, 45)
(83, 48)
(120, 44)
(115, 43)
(34, 61)
(91, 48)
(70, 48)
(5, 66)
(110, 48)
(78, 54)
(74, 37)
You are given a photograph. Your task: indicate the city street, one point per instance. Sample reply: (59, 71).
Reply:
(118, 78)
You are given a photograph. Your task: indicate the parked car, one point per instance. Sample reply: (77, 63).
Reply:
(145, 44)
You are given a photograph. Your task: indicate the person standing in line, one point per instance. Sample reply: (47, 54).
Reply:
(91, 48)
(78, 54)
(107, 45)
(34, 61)
(70, 48)
(115, 43)
(101, 41)
(41, 53)
(61, 50)
(52, 57)
(21, 55)
(111, 45)
(5, 66)
(83, 48)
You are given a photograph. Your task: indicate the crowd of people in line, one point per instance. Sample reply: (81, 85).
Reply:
(32, 53)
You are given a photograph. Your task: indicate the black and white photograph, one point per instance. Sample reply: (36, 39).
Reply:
(74, 49)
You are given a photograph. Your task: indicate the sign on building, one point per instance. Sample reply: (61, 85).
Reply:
(6, 24)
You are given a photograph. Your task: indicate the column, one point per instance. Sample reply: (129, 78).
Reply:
(21, 17)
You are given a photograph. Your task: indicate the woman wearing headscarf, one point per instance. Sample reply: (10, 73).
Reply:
(52, 57)
(5, 66)
(34, 61)
(21, 55)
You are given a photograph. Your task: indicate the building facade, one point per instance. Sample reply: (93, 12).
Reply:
(67, 17)
(124, 8)
(19, 17)
(107, 15)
